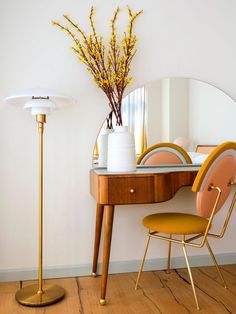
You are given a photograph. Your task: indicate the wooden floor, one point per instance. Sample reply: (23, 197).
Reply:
(159, 293)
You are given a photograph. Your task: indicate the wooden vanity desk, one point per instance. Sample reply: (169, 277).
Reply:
(145, 185)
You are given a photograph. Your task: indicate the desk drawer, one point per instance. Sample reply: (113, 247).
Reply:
(130, 190)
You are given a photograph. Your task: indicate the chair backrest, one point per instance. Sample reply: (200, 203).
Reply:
(164, 153)
(205, 149)
(218, 170)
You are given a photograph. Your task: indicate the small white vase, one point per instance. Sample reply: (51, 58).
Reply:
(121, 150)
(103, 144)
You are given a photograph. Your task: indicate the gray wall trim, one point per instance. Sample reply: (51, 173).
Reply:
(115, 267)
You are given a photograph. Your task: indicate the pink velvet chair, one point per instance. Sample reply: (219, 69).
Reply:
(213, 185)
(164, 153)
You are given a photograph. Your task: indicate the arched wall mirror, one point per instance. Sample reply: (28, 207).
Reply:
(172, 108)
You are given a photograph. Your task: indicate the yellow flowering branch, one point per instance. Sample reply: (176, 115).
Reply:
(109, 66)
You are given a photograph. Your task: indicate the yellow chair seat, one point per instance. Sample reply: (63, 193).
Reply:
(175, 223)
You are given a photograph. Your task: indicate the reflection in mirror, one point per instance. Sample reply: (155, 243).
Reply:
(187, 112)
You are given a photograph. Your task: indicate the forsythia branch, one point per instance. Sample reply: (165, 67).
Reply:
(109, 65)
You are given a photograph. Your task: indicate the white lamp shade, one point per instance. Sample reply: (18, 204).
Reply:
(39, 101)
(39, 106)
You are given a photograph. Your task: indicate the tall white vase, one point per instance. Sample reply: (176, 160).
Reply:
(103, 145)
(121, 150)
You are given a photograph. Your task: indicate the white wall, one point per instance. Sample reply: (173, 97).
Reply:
(178, 109)
(184, 38)
(211, 115)
(153, 112)
(165, 110)
(174, 108)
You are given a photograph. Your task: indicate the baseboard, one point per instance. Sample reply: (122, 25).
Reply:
(115, 267)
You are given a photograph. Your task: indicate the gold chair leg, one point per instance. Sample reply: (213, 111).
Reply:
(143, 260)
(191, 277)
(169, 255)
(216, 264)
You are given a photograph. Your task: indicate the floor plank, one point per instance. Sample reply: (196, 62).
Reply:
(224, 299)
(159, 292)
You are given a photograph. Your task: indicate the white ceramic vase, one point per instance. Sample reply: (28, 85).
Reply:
(121, 150)
(103, 145)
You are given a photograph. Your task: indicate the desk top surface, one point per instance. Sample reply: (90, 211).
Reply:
(151, 169)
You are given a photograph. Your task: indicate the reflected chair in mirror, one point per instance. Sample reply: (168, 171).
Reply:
(164, 153)
(212, 185)
(205, 149)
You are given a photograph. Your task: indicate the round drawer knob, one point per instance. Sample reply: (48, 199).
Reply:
(131, 190)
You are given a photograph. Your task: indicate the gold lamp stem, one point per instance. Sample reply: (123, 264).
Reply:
(36, 294)
(41, 119)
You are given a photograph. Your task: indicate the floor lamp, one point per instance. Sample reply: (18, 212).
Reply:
(40, 102)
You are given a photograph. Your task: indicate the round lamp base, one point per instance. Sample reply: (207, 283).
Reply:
(29, 295)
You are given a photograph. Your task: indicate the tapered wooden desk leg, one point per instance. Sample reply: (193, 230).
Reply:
(109, 214)
(98, 230)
